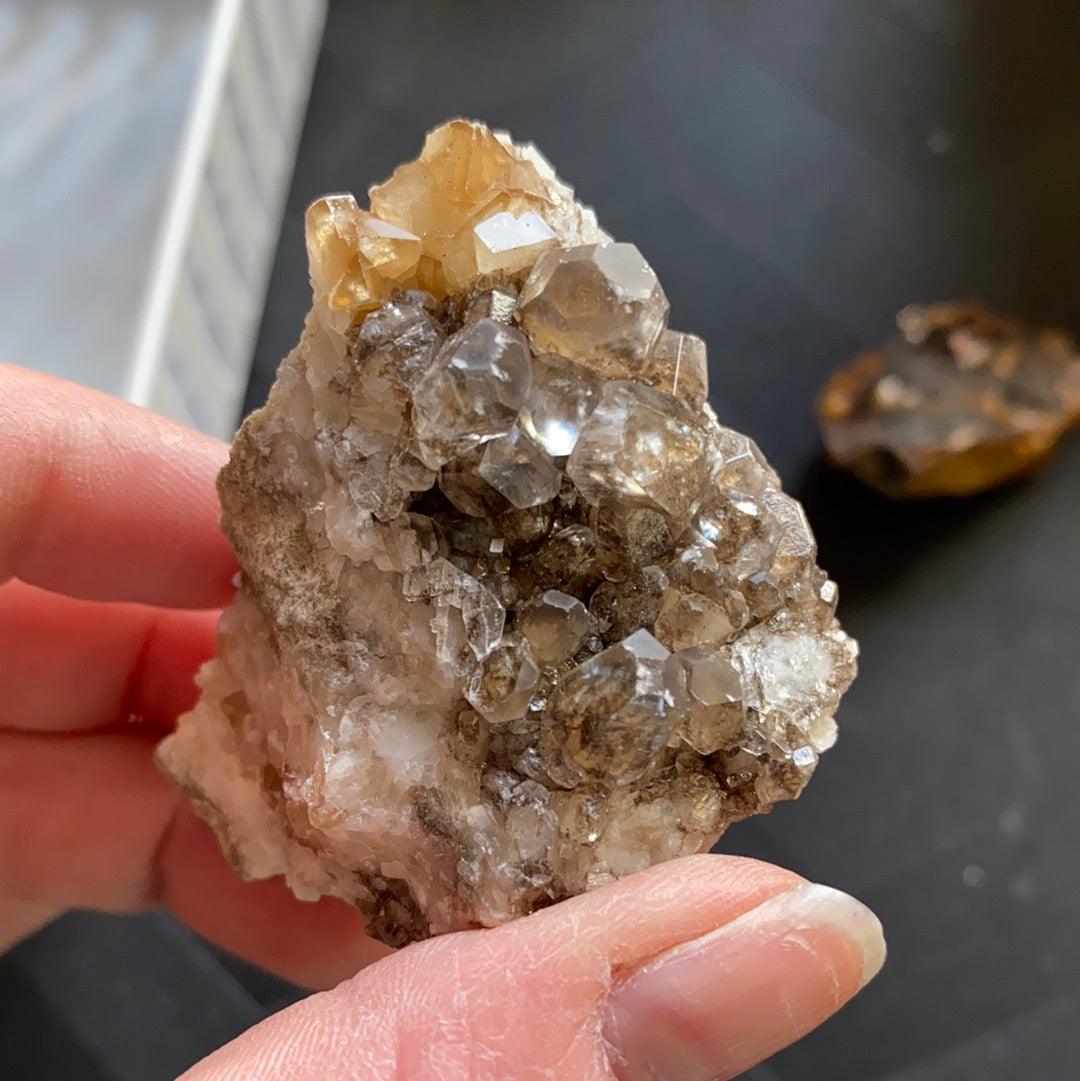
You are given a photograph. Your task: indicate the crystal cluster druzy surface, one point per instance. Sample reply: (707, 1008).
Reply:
(963, 399)
(517, 615)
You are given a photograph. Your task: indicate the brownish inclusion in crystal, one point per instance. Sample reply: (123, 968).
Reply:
(962, 400)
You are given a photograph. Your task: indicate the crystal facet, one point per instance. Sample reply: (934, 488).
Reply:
(562, 396)
(600, 303)
(502, 685)
(645, 445)
(473, 390)
(516, 465)
(715, 717)
(555, 625)
(678, 366)
(517, 615)
(619, 709)
(505, 243)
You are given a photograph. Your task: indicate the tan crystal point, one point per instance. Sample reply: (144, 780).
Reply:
(620, 708)
(555, 624)
(600, 303)
(466, 176)
(354, 258)
(715, 714)
(508, 627)
(503, 683)
(520, 469)
(688, 619)
(965, 399)
(678, 366)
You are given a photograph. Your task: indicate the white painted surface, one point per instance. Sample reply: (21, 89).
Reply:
(145, 152)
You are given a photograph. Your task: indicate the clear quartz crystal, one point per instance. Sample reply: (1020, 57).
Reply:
(520, 468)
(473, 390)
(562, 397)
(642, 444)
(517, 615)
(502, 685)
(599, 303)
(678, 366)
(618, 709)
(715, 716)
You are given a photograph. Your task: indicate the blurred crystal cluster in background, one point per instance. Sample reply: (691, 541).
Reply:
(963, 400)
(145, 149)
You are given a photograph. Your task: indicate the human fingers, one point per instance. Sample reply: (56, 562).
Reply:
(103, 500)
(70, 665)
(691, 971)
(87, 820)
(18, 919)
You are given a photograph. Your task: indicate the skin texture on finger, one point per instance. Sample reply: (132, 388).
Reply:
(102, 500)
(530, 1000)
(88, 820)
(735, 996)
(71, 665)
(80, 818)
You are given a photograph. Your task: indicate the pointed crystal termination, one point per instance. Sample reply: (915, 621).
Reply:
(620, 708)
(555, 625)
(643, 445)
(715, 717)
(962, 401)
(562, 397)
(599, 303)
(678, 366)
(352, 254)
(518, 467)
(518, 615)
(503, 683)
(472, 392)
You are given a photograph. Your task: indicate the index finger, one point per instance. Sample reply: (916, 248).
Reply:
(103, 500)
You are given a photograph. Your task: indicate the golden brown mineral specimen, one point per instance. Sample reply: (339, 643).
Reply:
(962, 400)
(517, 614)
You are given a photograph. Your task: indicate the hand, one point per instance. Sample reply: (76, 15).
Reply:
(113, 568)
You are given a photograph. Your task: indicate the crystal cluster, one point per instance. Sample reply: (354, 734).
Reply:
(517, 615)
(962, 400)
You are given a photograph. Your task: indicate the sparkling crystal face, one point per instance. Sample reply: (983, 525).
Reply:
(518, 616)
(507, 244)
(963, 400)
(472, 392)
(562, 397)
(599, 303)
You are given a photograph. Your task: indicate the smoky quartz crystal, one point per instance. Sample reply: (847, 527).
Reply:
(517, 615)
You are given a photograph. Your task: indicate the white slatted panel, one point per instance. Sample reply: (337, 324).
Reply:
(145, 151)
(196, 344)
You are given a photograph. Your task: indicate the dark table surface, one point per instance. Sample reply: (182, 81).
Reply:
(796, 172)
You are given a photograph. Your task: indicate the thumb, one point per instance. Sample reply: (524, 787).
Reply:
(691, 971)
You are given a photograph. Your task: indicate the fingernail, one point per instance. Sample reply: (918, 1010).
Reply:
(708, 1009)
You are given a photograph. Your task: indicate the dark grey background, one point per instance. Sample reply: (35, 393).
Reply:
(796, 172)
